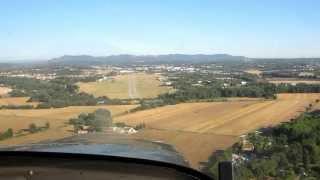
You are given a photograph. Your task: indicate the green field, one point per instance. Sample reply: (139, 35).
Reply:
(137, 85)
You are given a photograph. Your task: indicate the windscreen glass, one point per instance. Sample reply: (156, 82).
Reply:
(192, 83)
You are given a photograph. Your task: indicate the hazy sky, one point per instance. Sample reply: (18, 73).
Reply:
(35, 29)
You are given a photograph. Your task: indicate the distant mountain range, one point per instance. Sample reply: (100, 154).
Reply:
(87, 60)
(143, 59)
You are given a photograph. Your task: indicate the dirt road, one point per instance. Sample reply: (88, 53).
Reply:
(132, 87)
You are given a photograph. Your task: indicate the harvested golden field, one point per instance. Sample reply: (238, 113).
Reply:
(137, 85)
(254, 71)
(4, 90)
(16, 101)
(214, 125)
(293, 82)
(195, 147)
(196, 130)
(20, 119)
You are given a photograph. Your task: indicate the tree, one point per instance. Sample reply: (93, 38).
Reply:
(306, 159)
(33, 128)
(140, 126)
(120, 124)
(7, 134)
(17, 93)
(47, 125)
(96, 120)
(102, 117)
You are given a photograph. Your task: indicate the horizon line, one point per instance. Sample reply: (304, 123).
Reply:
(17, 59)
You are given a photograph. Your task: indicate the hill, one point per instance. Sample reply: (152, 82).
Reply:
(143, 59)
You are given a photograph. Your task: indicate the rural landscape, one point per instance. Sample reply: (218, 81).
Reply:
(201, 105)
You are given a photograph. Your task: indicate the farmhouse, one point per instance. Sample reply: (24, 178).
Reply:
(124, 130)
(306, 74)
(243, 83)
(105, 78)
(84, 130)
(247, 146)
(168, 83)
(126, 71)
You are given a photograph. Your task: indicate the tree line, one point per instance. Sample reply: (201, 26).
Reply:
(59, 92)
(187, 93)
(209, 93)
(95, 121)
(62, 92)
(32, 128)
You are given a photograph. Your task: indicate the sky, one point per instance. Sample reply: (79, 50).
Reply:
(43, 29)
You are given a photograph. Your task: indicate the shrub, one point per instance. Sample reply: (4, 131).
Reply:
(47, 125)
(7, 134)
(120, 124)
(140, 126)
(33, 128)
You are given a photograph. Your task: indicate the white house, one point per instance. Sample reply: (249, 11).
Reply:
(82, 131)
(130, 130)
(124, 130)
(243, 83)
(168, 83)
(306, 74)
